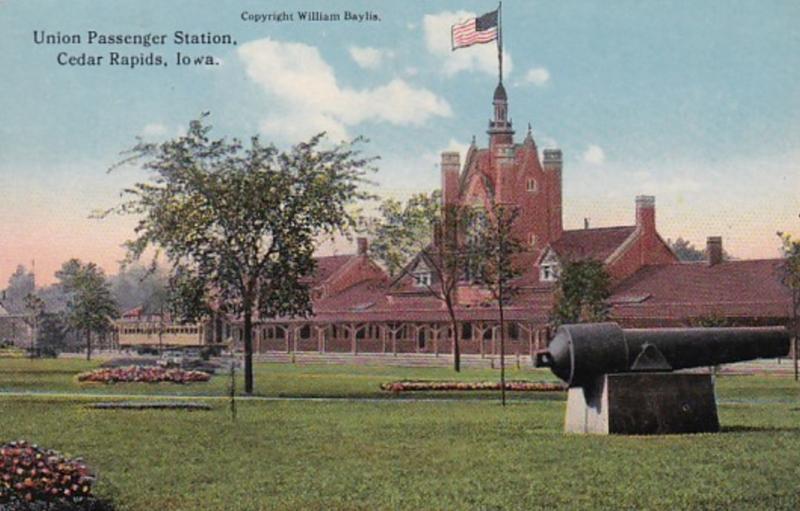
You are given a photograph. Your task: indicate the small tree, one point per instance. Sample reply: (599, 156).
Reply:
(423, 228)
(34, 307)
(583, 288)
(686, 251)
(21, 283)
(51, 335)
(790, 276)
(239, 224)
(495, 245)
(91, 307)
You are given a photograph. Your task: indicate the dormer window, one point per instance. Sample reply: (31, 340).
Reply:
(549, 267)
(422, 279)
(532, 185)
(422, 275)
(549, 272)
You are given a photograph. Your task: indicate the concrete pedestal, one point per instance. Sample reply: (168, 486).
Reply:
(643, 404)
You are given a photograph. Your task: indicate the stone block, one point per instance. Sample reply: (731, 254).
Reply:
(643, 404)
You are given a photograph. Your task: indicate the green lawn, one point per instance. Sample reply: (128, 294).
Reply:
(270, 379)
(407, 455)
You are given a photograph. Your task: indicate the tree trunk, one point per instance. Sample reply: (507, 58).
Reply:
(88, 344)
(454, 325)
(248, 349)
(502, 351)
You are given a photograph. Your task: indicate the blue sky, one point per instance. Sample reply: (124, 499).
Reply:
(695, 102)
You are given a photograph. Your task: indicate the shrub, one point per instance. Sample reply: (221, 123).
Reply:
(30, 474)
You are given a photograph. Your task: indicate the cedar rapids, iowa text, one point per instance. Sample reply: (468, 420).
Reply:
(144, 40)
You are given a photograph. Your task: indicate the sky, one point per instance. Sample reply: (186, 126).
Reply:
(697, 103)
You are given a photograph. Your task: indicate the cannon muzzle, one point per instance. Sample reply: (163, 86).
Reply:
(580, 353)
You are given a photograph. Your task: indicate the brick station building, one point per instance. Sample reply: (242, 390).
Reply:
(359, 309)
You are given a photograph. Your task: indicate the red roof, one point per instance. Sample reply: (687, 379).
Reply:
(327, 266)
(734, 289)
(591, 243)
(370, 301)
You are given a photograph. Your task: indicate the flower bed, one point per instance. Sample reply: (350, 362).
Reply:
(140, 374)
(527, 386)
(30, 474)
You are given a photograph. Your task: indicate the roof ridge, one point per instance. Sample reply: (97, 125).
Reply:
(601, 228)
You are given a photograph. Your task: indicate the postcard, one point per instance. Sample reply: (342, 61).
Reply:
(365, 254)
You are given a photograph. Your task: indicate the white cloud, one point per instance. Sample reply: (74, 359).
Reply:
(411, 71)
(309, 98)
(154, 130)
(368, 57)
(481, 57)
(538, 76)
(595, 155)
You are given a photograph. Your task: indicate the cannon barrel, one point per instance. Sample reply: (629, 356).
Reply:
(580, 353)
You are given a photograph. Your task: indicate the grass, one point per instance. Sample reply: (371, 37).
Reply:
(452, 454)
(271, 380)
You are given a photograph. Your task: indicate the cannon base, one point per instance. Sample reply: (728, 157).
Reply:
(643, 404)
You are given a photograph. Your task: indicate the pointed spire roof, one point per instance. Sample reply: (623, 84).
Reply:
(500, 93)
(529, 136)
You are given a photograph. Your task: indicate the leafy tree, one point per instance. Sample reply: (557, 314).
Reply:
(140, 286)
(583, 288)
(34, 307)
(239, 223)
(405, 233)
(686, 251)
(494, 265)
(790, 276)
(52, 334)
(91, 307)
(21, 283)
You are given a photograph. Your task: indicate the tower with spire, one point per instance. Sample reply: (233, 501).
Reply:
(509, 173)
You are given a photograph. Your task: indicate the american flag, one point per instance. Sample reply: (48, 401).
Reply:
(482, 29)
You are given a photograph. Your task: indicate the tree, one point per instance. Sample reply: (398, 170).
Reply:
(21, 283)
(686, 251)
(790, 277)
(240, 223)
(51, 334)
(91, 307)
(583, 288)
(494, 266)
(34, 307)
(423, 229)
(140, 286)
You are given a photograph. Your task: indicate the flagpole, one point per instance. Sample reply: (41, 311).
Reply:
(500, 40)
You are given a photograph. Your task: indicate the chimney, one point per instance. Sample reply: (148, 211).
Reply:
(646, 212)
(585, 223)
(362, 246)
(714, 250)
(451, 165)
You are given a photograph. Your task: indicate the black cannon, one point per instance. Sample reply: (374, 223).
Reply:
(580, 353)
(621, 381)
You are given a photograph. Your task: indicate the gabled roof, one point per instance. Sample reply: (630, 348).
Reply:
(327, 266)
(685, 290)
(596, 244)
